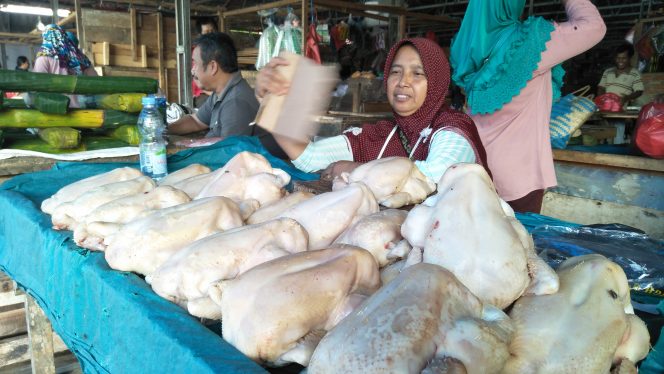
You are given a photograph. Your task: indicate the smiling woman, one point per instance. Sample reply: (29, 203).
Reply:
(424, 128)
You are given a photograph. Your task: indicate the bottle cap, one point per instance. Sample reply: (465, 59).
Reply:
(149, 100)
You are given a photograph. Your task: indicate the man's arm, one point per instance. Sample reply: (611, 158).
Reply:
(601, 90)
(626, 99)
(186, 125)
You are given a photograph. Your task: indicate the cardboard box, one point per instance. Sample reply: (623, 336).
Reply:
(293, 115)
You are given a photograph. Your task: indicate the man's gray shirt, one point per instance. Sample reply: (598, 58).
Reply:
(230, 112)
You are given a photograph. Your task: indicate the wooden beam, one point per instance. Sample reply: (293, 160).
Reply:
(133, 33)
(19, 35)
(359, 13)
(80, 34)
(105, 54)
(256, 8)
(221, 20)
(392, 11)
(160, 52)
(401, 33)
(40, 334)
(620, 161)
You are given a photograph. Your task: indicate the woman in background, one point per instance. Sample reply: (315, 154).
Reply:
(59, 55)
(509, 71)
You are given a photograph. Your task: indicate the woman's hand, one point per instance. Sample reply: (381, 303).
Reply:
(270, 81)
(336, 168)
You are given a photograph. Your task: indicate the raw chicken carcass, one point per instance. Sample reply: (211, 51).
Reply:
(467, 229)
(584, 328)
(415, 323)
(72, 191)
(277, 312)
(124, 210)
(247, 176)
(186, 277)
(185, 173)
(327, 215)
(378, 233)
(274, 209)
(67, 216)
(394, 181)
(146, 243)
(192, 186)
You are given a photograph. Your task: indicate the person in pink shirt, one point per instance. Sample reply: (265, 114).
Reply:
(509, 70)
(60, 55)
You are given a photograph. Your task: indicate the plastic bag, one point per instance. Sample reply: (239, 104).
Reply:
(641, 257)
(650, 130)
(267, 45)
(312, 50)
(608, 102)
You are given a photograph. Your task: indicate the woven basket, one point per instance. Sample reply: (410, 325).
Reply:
(568, 114)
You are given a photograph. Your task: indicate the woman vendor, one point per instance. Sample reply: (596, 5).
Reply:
(425, 129)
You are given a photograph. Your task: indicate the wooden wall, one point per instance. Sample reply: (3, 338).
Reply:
(129, 43)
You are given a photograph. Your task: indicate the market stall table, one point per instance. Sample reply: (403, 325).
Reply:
(111, 320)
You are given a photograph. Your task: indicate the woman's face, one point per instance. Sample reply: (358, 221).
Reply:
(406, 82)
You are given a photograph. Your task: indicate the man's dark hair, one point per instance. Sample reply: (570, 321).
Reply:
(205, 21)
(20, 60)
(219, 47)
(626, 47)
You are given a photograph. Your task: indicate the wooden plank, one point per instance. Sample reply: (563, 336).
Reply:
(589, 211)
(12, 322)
(105, 19)
(604, 159)
(133, 33)
(103, 34)
(391, 10)
(256, 8)
(16, 350)
(40, 336)
(144, 57)
(105, 54)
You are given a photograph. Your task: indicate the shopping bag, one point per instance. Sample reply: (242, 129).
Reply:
(609, 102)
(650, 130)
(568, 114)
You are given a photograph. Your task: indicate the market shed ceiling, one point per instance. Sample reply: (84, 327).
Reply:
(619, 15)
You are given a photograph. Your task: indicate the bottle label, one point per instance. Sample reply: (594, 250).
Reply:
(153, 159)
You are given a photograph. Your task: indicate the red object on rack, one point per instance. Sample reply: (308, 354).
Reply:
(311, 49)
(650, 130)
(609, 102)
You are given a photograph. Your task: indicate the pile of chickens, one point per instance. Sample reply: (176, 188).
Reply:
(333, 282)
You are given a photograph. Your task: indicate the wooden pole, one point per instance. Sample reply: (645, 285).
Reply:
(40, 334)
(79, 25)
(160, 53)
(305, 24)
(222, 21)
(133, 33)
(401, 33)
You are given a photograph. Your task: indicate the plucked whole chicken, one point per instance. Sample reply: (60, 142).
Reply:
(584, 328)
(277, 312)
(412, 325)
(467, 229)
(186, 277)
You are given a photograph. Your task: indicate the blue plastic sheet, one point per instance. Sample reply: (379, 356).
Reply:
(111, 320)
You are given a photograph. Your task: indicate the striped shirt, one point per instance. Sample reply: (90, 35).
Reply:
(447, 148)
(623, 84)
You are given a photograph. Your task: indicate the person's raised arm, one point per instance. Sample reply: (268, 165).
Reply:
(583, 30)
(270, 81)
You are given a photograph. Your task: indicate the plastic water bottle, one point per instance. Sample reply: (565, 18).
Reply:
(152, 147)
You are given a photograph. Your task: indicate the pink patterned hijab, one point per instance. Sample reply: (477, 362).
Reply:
(433, 113)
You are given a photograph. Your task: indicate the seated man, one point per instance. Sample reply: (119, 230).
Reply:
(232, 106)
(622, 79)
